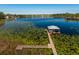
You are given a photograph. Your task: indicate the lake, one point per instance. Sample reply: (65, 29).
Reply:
(67, 27)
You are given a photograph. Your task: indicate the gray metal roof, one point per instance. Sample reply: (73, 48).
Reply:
(53, 27)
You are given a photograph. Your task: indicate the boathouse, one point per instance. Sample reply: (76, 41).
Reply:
(53, 29)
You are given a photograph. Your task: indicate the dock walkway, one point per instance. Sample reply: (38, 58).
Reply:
(20, 47)
(52, 44)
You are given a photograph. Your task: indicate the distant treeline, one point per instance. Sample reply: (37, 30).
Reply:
(48, 15)
(64, 15)
(2, 15)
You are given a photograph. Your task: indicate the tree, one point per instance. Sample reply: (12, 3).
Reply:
(2, 15)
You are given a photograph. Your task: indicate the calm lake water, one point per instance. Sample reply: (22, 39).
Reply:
(67, 27)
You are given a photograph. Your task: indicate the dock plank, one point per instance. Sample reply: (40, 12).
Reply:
(20, 47)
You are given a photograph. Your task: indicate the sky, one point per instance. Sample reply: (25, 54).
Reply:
(39, 8)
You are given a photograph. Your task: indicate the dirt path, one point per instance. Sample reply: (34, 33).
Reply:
(52, 44)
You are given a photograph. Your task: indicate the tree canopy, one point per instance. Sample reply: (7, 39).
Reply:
(2, 15)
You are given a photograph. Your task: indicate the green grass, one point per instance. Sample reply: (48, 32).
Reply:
(30, 36)
(29, 51)
(26, 36)
(66, 44)
(2, 21)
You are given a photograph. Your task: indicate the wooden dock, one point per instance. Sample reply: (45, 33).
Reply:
(20, 47)
(50, 45)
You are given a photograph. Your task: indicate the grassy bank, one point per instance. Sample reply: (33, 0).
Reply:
(30, 36)
(10, 38)
(26, 36)
(2, 21)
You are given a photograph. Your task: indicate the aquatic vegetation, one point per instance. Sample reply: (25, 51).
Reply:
(26, 36)
(30, 36)
(2, 21)
(29, 51)
(66, 44)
